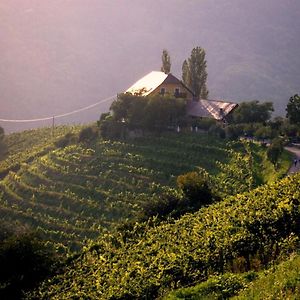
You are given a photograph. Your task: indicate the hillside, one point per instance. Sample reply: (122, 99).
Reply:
(59, 56)
(74, 193)
(277, 282)
(243, 232)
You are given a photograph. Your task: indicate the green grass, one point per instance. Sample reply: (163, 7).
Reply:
(264, 170)
(281, 282)
(271, 173)
(215, 288)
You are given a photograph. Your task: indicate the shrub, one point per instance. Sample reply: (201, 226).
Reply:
(233, 132)
(68, 139)
(88, 134)
(110, 128)
(217, 130)
(205, 123)
(275, 150)
(25, 261)
(168, 204)
(196, 187)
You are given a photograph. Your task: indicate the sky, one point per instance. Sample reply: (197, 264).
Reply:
(57, 56)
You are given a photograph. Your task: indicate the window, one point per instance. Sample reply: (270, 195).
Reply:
(177, 92)
(162, 91)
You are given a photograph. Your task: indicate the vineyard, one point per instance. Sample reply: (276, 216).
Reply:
(243, 232)
(277, 282)
(74, 193)
(86, 199)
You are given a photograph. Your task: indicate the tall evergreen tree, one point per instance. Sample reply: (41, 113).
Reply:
(194, 74)
(185, 73)
(166, 62)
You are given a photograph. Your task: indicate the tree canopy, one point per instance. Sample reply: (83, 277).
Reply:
(293, 109)
(166, 62)
(152, 113)
(252, 112)
(194, 74)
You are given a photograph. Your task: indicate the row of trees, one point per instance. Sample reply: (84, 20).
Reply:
(194, 74)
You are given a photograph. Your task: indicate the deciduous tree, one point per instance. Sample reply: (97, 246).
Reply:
(293, 109)
(253, 112)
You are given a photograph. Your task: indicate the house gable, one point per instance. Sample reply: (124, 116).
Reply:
(160, 83)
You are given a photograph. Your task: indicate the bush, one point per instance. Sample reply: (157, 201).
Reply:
(275, 150)
(68, 139)
(217, 130)
(88, 134)
(169, 204)
(205, 123)
(264, 132)
(233, 132)
(110, 128)
(196, 188)
(25, 261)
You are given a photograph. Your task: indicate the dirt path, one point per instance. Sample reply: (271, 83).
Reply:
(296, 151)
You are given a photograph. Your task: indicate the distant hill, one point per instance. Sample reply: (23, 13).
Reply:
(59, 56)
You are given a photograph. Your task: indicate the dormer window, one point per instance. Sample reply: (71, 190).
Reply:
(162, 91)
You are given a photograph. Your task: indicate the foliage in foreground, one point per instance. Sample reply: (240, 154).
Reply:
(216, 287)
(279, 282)
(241, 233)
(25, 261)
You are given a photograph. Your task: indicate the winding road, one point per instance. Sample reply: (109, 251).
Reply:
(296, 151)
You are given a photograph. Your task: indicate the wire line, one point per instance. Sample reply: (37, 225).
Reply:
(58, 116)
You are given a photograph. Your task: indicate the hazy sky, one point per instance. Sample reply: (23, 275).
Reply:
(56, 56)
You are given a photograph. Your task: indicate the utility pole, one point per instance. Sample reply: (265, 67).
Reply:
(53, 126)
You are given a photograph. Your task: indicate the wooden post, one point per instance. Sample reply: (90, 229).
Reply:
(53, 126)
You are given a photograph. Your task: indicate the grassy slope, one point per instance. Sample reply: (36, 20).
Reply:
(279, 282)
(254, 226)
(28, 145)
(71, 194)
(264, 169)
